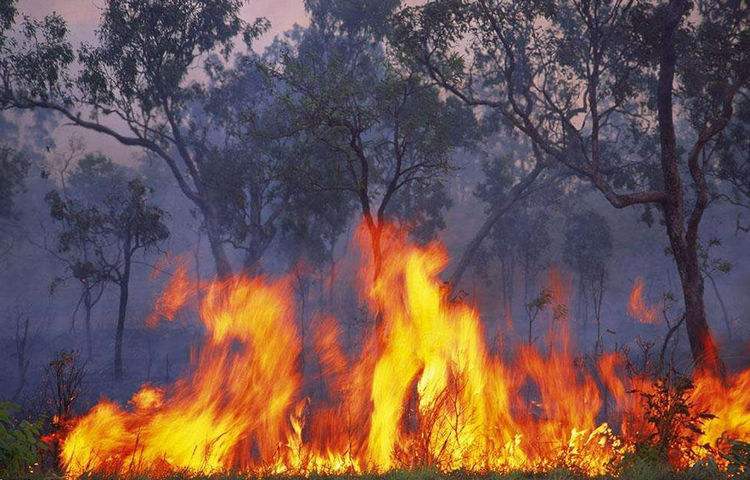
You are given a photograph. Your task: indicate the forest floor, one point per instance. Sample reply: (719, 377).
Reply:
(644, 473)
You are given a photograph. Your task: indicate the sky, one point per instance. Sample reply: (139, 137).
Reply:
(83, 15)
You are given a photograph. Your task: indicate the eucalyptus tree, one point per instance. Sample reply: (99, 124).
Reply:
(732, 166)
(105, 218)
(587, 250)
(136, 84)
(386, 133)
(597, 87)
(252, 180)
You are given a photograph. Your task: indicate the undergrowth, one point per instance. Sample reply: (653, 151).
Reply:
(641, 468)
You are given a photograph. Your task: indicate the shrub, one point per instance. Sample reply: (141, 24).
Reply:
(20, 444)
(675, 422)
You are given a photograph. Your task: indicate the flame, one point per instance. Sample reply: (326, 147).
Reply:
(637, 307)
(236, 401)
(424, 389)
(174, 297)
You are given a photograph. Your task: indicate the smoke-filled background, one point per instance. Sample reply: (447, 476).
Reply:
(263, 158)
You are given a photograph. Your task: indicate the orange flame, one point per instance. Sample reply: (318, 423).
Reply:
(637, 307)
(424, 390)
(173, 298)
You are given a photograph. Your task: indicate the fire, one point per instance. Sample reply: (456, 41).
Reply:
(423, 390)
(173, 298)
(237, 400)
(637, 307)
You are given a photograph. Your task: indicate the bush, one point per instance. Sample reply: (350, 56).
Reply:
(20, 444)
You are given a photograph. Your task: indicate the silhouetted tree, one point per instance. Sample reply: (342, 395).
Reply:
(587, 249)
(14, 167)
(137, 74)
(387, 134)
(252, 174)
(592, 85)
(105, 219)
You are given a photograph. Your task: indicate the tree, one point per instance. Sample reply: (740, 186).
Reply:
(586, 250)
(135, 84)
(592, 84)
(387, 133)
(732, 167)
(14, 167)
(8, 12)
(251, 177)
(519, 234)
(104, 221)
(91, 186)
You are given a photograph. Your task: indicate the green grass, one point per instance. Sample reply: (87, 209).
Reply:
(636, 470)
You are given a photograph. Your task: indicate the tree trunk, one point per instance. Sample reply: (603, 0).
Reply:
(518, 191)
(702, 346)
(121, 313)
(88, 306)
(473, 247)
(256, 248)
(221, 262)
(724, 312)
(508, 270)
(375, 230)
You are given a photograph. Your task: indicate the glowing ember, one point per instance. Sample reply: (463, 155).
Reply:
(423, 391)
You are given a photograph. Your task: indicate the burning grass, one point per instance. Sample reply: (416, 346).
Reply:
(424, 391)
(642, 471)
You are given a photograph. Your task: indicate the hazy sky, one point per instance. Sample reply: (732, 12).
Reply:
(82, 15)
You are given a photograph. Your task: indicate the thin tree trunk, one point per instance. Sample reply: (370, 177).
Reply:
(21, 354)
(724, 312)
(375, 230)
(87, 304)
(221, 261)
(121, 314)
(256, 248)
(518, 191)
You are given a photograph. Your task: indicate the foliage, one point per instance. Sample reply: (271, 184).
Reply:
(732, 167)
(365, 17)
(639, 64)
(104, 220)
(20, 443)
(252, 178)
(711, 264)
(388, 133)
(675, 422)
(137, 72)
(101, 231)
